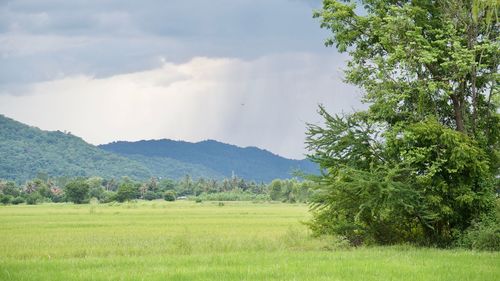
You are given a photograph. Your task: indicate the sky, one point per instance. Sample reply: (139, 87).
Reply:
(245, 72)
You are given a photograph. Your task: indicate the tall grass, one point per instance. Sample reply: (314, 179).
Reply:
(187, 241)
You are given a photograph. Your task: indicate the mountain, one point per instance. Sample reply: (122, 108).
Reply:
(224, 159)
(26, 151)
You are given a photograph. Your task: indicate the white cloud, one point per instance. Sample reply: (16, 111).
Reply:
(263, 102)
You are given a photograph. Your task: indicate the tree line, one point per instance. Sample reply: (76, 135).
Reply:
(81, 190)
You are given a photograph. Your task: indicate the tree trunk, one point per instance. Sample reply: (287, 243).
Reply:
(457, 108)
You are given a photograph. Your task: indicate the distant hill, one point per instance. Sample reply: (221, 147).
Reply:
(26, 151)
(223, 159)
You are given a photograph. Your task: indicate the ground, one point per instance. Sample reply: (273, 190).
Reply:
(204, 241)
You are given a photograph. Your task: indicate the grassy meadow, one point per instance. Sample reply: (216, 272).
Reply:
(184, 240)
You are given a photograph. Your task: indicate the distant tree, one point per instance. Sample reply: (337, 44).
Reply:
(77, 191)
(33, 198)
(5, 199)
(126, 191)
(276, 190)
(166, 184)
(17, 200)
(9, 188)
(169, 195)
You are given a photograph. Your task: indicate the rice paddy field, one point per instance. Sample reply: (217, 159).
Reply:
(184, 240)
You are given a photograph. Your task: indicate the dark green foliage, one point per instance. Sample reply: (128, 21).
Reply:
(420, 183)
(77, 191)
(420, 164)
(9, 188)
(126, 191)
(209, 159)
(483, 234)
(290, 191)
(80, 190)
(150, 195)
(97, 193)
(232, 196)
(25, 151)
(28, 152)
(169, 195)
(5, 199)
(198, 200)
(275, 190)
(33, 198)
(17, 200)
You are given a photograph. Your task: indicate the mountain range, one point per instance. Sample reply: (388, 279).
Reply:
(26, 151)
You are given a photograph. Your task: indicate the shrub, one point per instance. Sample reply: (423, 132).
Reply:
(10, 188)
(77, 191)
(5, 199)
(107, 197)
(150, 195)
(33, 199)
(483, 236)
(17, 200)
(198, 200)
(126, 192)
(169, 196)
(97, 192)
(233, 196)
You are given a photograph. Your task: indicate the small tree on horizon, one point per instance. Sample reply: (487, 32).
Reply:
(77, 191)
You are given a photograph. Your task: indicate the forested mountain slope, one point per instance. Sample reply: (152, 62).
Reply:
(26, 151)
(225, 159)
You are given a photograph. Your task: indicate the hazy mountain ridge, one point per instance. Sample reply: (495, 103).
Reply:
(25, 151)
(249, 162)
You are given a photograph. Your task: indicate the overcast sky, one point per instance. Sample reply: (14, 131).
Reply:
(245, 72)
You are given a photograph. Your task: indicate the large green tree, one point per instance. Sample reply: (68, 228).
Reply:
(419, 164)
(77, 191)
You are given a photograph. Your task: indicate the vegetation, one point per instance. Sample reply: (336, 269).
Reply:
(81, 190)
(77, 191)
(210, 159)
(27, 151)
(186, 241)
(420, 165)
(169, 196)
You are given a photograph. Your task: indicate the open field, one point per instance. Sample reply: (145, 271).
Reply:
(188, 241)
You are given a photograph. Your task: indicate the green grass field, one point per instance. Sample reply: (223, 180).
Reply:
(188, 241)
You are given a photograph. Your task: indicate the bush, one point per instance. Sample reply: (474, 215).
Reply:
(198, 200)
(107, 197)
(17, 200)
(126, 192)
(169, 196)
(96, 192)
(77, 191)
(233, 196)
(150, 195)
(5, 199)
(483, 236)
(33, 198)
(10, 188)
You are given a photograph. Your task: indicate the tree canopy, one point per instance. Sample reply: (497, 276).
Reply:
(421, 163)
